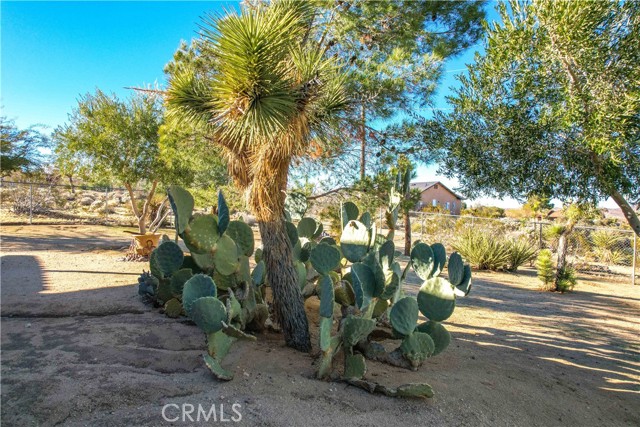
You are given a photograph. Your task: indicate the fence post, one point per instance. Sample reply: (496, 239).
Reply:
(540, 237)
(635, 256)
(30, 203)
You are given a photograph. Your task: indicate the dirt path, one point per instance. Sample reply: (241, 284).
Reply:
(80, 348)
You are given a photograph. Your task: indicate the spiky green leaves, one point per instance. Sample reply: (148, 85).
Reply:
(168, 257)
(208, 313)
(436, 299)
(182, 204)
(196, 287)
(324, 258)
(404, 315)
(354, 241)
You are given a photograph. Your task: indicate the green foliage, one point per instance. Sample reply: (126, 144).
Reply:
(546, 270)
(486, 250)
(19, 149)
(484, 211)
(566, 279)
(550, 108)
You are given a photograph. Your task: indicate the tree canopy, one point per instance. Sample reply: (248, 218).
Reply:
(20, 148)
(552, 108)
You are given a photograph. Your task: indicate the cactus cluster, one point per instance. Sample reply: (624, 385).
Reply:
(213, 285)
(363, 279)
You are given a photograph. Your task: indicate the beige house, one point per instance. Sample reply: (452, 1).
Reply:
(435, 193)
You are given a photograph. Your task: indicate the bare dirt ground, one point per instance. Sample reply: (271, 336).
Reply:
(80, 348)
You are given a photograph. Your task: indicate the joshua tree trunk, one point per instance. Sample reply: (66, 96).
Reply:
(407, 233)
(563, 247)
(283, 279)
(266, 199)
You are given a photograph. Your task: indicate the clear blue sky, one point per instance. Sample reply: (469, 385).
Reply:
(54, 51)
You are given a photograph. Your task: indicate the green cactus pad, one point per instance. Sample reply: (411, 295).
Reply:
(173, 308)
(154, 267)
(225, 257)
(196, 287)
(301, 271)
(417, 347)
(292, 232)
(365, 218)
(391, 287)
(319, 230)
(422, 260)
(329, 241)
(354, 366)
(202, 234)
(436, 299)
(178, 279)
(234, 332)
(257, 256)
(189, 262)
(208, 313)
(234, 309)
(169, 257)
(364, 284)
(258, 273)
(223, 213)
(307, 227)
(371, 260)
(326, 323)
(224, 282)
(331, 348)
(182, 205)
(326, 296)
(380, 308)
(354, 241)
(218, 344)
(325, 258)
(204, 261)
(404, 315)
(414, 390)
(296, 204)
(439, 258)
(438, 333)
(218, 371)
(356, 329)
(465, 284)
(386, 253)
(349, 212)
(455, 269)
(164, 290)
(242, 234)
(307, 247)
(344, 294)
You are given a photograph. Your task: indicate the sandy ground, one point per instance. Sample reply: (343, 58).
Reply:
(80, 348)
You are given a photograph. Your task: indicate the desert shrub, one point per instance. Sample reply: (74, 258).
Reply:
(22, 202)
(545, 268)
(520, 252)
(489, 250)
(608, 247)
(567, 279)
(485, 211)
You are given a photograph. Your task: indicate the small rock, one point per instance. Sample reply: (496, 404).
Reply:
(28, 325)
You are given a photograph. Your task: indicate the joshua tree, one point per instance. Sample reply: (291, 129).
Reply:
(264, 90)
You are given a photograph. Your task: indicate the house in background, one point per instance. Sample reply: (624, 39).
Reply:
(435, 193)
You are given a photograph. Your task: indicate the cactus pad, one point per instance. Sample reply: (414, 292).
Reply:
(439, 258)
(414, 390)
(356, 329)
(242, 234)
(169, 257)
(455, 269)
(354, 241)
(208, 313)
(387, 252)
(417, 347)
(258, 273)
(196, 287)
(326, 296)
(438, 333)
(178, 279)
(296, 204)
(349, 212)
(223, 213)
(173, 308)
(182, 205)
(202, 234)
(292, 232)
(422, 260)
(436, 299)
(218, 371)
(307, 227)
(354, 366)
(364, 284)
(225, 257)
(404, 315)
(325, 258)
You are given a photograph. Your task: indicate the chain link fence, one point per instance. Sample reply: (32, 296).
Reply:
(52, 203)
(592, 250)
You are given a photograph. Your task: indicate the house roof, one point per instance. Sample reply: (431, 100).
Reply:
(422, 186)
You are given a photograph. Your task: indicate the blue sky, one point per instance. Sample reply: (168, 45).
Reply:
(53, 52)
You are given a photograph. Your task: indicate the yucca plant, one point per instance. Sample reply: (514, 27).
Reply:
(268, 92)
(520, 252)
(545, 268)
(483, 250)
